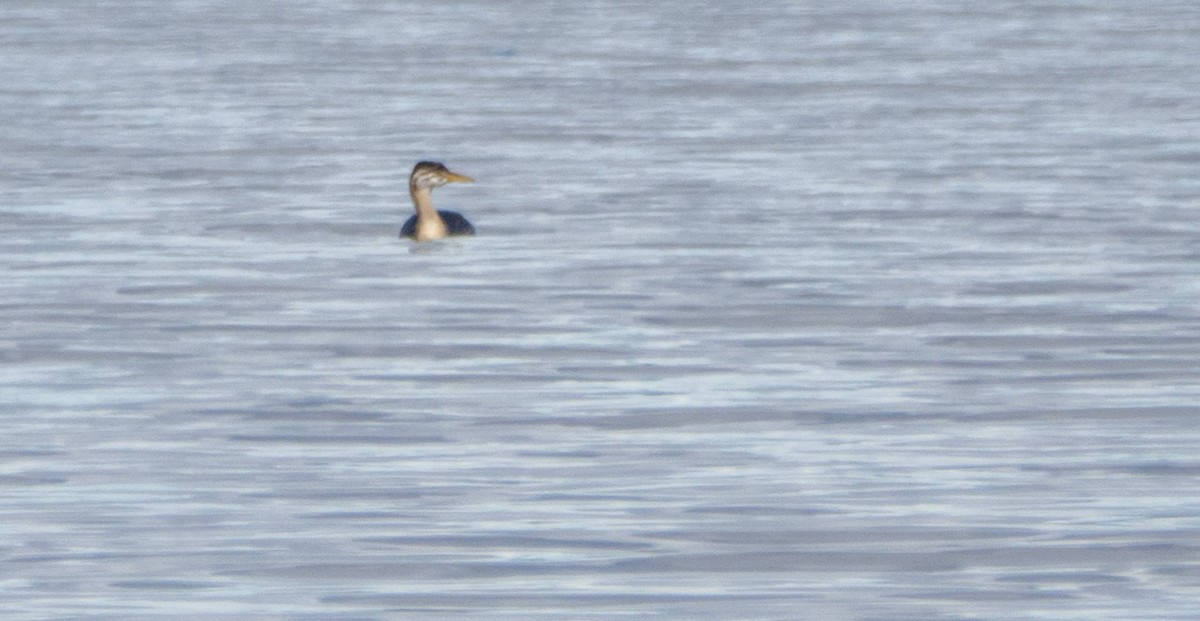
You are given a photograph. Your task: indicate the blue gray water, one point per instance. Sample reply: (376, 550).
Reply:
(844, 310)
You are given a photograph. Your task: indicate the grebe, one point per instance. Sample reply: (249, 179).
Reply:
(429, 223)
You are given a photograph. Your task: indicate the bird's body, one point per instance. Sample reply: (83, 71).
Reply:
(429, 223)
(455, 223)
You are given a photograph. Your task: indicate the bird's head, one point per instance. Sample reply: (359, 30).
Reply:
(429, 175)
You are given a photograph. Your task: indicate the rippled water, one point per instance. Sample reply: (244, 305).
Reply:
(853, 310)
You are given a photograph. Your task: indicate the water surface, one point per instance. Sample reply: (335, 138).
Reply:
(862, 311)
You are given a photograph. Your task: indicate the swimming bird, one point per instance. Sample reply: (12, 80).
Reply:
(429, 223)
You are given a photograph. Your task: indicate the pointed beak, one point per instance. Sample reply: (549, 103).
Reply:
(453, 177)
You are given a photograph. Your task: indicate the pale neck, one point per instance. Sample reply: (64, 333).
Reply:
(423, 201)
(429, 223)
